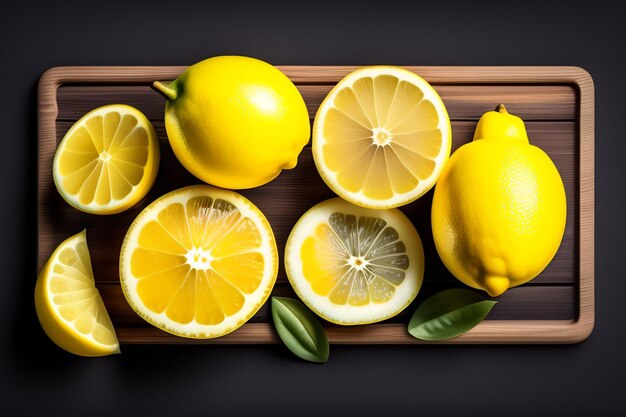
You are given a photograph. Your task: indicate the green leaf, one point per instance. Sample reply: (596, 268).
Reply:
(448, 314)
(299, 329)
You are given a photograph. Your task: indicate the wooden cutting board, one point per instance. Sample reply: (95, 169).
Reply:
(557, 104)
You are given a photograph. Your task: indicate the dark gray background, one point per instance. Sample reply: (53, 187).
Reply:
(37, 377)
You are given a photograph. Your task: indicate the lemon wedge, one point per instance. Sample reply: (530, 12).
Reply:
(353, 265)
(198, 262)
(107, 161)
(381, 137)
(68, 304)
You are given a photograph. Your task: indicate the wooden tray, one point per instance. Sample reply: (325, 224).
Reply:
(557, 104)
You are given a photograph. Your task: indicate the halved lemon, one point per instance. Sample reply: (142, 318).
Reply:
(107, 161)
(198, 262)
(381, 137)
(68, 304)
(353, 265)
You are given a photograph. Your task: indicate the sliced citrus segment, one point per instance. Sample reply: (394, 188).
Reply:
(198, 262)
(69, 305)
(107, 161)
(381, 137)
(353, 265)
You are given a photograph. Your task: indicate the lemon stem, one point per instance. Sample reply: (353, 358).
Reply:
(501, 109)
(165, 90)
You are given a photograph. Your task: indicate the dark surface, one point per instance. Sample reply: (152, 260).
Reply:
(38, 378)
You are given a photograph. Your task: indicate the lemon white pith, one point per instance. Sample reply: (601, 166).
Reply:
(353, 265)
(198, 262)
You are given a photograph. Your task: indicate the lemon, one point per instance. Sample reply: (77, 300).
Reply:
(198, 262)
(381, 137)
(107, 161)
(499, 209)
(235, 122)
(353, 265)
(68, 304)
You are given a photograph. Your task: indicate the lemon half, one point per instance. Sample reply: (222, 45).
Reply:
(107, 161)
(381, 137)
(353, 265)
(198, 262)
(69, 307)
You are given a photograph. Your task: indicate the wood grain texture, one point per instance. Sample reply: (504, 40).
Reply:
(556, 102)
(522, 303)
(487, 332)
(463, 102)
(586, 201)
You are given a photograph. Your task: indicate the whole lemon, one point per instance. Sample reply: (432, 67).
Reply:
(499, 209)
(235, 122)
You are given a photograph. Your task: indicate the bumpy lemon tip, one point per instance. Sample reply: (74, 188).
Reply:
(291, 164)
(495, 286)
(500, 124)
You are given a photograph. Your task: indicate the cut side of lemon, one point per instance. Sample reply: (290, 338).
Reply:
(69, 307)
(198, 262)
(353, 265)
(107, 161)
(381, 137)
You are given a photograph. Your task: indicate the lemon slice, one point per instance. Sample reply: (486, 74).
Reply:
(68, 304)
(381, 137)
(353, 265)
(198, 262)
(107, 161)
